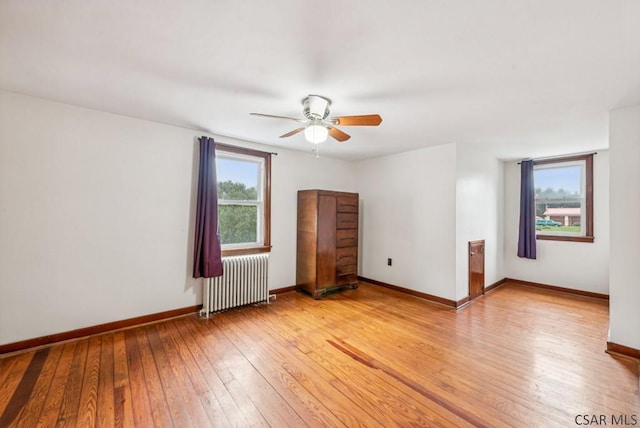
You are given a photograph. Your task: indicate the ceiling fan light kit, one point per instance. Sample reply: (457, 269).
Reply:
(318, 125)
(316, 133)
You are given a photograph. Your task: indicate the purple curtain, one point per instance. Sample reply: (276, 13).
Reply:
(207, 256)
(527, 232)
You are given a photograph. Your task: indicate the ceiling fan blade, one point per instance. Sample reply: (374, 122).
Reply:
(278, 117)
(364, 120)
(294, 132)
(337, 134)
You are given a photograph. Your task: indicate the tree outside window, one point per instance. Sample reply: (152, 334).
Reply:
(243, 199)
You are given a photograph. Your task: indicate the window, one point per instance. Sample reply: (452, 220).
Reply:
(244, 199)
(564, 198)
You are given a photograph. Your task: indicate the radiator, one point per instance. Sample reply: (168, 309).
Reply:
(243, 282)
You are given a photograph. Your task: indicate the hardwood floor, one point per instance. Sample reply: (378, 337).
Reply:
(518, 356)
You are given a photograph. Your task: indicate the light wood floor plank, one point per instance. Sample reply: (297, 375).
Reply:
(128, 385)
(519, 356)
(374, 396)
(465, 378)
(319, 364)
(11, 376)
(160, 411)
(31, 411)
(68, 414)
(276, 368)
(53, 401)
(267, 402)
(216, 358)
(87, 408)
(214, 378)
(201, 388)
(178, 404)
(174, 377)
(105, 412)
(25, 388)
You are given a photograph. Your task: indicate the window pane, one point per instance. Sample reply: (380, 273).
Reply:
(244, 199)
(559, 202)
(564, 198)
(238, 224)
(558, 182)
(237, 179)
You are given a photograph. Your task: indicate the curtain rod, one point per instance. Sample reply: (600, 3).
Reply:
(560, 157)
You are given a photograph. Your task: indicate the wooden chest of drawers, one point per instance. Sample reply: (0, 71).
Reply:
(327, 244)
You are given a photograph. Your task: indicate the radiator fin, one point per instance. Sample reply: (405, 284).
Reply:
(244, 282)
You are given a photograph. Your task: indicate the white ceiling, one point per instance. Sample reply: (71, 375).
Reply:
(529, 78)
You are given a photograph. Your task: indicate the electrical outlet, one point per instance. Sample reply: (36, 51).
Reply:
(389, 262)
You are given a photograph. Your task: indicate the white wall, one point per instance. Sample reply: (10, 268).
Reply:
(624, 290)
(96, 215)
(292, 171)
(575, 265)
(408, 213)
(479, 213)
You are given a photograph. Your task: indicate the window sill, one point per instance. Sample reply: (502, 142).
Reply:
(245, 251)
(589, 239)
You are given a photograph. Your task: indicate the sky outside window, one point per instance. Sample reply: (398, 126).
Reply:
(237, 171)
(567, 178)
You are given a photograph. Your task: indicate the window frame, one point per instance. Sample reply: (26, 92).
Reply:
(588, 198)
(265, 158)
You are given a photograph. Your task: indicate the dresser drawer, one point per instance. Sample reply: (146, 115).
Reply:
(346, 221)
(346, 256)
(347, 274)
(347, 204)
(346, 270)
(346, 238)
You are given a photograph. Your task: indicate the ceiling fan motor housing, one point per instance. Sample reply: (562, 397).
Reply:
(316, 107)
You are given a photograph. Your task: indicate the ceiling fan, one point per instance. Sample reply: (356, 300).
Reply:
(318, 125)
